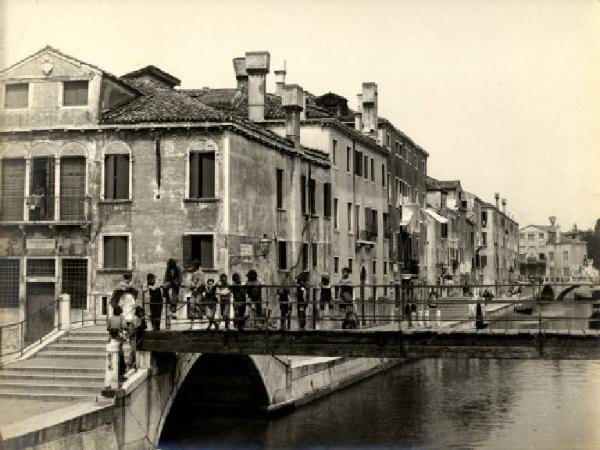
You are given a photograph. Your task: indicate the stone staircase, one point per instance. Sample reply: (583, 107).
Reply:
(70, 369)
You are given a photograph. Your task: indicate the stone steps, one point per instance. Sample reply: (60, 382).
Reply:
(51, 387)
(74, 354)
(15, 375)
(50, 397)
(70, 346)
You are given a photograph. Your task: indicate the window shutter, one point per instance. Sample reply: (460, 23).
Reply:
(194, 175)
(303, 194)
(206, 252)
(122, 176)
(121, 252)
(109, 176)
(72, 188)
(208, 175)
(109, 252)
(12, 189)
(187, 251)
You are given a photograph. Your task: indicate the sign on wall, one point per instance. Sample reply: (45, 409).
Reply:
(40, 244)
(246, 252)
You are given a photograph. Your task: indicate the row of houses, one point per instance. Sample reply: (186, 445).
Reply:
(103, 174)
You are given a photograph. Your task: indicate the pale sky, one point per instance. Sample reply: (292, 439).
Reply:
(504, 95)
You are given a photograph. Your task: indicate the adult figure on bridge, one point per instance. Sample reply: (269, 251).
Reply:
(254, 292)
(283, 295)
(346, 291)
(301, 299)
(224, 296)
(197, 287)
(155, 300)
(171, 285)
(239, 301)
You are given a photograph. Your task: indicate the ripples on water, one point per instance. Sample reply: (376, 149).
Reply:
(429, 404)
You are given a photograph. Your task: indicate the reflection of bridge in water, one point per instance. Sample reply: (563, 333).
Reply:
(442, 327)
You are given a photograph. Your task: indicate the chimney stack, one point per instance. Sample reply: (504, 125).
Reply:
(239, 65)
(358, 125)
(497, 197)
(504, 205)
(280, 78)
(292, 100)
(303, 112)
(257, 68)
(369, 107)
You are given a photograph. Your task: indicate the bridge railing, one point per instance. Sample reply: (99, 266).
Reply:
(497, 306)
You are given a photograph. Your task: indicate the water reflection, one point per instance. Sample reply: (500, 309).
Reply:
(430, 404)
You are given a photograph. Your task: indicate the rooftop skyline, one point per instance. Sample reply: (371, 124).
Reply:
(502, 95)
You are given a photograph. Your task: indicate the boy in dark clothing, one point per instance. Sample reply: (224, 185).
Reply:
(283, 294)
(325, 297)
(239, 301)
(155, 299)
(253, 290)
(172, 283)
(210, 299)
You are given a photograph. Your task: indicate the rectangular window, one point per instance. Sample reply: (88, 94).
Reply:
(315, 257)
(202, 175)
(16, 95)
(383, 175)
(387, 139)
(483, 261)
(72, 188)
(304, 256)
(484, 239)
(198, 249)
(350, 265)
(335, 214)
(116, 252)
(349, 216)
(282, 255)
(303, 194)
(336, 264)
(375, 268)
(444, 230)
(541, 234)
(358, 162)
(116, 177)
(334, 151)
(41, 267)
(357, 217)
(74, 281)
(12, 192)
(366, 167)
(75, 93)
(530, 236)
(327, 200)
(385, 267)
(348, 159)
(484, 219)
(312, 196)
(279, 175)
(9, 283)
(372, 169)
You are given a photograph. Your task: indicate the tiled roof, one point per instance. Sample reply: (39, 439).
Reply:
(234, 101)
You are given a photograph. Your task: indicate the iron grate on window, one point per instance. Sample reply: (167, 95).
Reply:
(40, 267)
(74, 281)
(9, 283)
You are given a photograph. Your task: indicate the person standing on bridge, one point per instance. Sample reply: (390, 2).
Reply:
(224, 296)
(346, 291)
(283, 295)
(301, 299)
(155, 299)
(239, 301)
(254, 292)
(171, 285)
(197, 286)
(210, 300)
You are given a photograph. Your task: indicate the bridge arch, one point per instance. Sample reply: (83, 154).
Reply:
(252, 380)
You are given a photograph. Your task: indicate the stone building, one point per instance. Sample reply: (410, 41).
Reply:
(103, 175)
(545, 251)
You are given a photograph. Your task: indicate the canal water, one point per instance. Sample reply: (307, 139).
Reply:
(428, 404)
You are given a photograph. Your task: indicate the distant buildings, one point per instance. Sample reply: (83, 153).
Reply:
(545, 251)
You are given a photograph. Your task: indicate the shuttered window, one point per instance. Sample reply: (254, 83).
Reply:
(16, 95)
(75, 93)
(116, 177)
(358, 163)
(327, 200)
(315, 255)
(312, 196)
(13, 189)
(202, 175)
(303, 194)
(304, 256)
(72, 188)
(198, 248)
(116, 252)
(9, 282)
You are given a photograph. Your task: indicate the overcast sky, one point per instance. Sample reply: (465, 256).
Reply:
(504, 95)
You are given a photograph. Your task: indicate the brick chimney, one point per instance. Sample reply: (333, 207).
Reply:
(369, 107)
(497, 197)
(239, 65)
(292, 100)
(280, 78)
(257, 68)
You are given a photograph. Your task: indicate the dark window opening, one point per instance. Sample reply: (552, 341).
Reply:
(312, 196)
(116, 252)
(327, 200)
(116, 177)
(202, 175)
(279, 176)
(198, 248)
(358, 162)
(41, 189)
(282, 255)
(304, 256)
(315, 257)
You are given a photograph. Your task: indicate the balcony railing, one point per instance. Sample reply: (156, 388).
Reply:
(367, 236)
(44, 209)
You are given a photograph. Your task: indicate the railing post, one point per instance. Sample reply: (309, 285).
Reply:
(64, 311)
(111, 377)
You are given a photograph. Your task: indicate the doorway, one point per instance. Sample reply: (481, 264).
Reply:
(39, 310)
